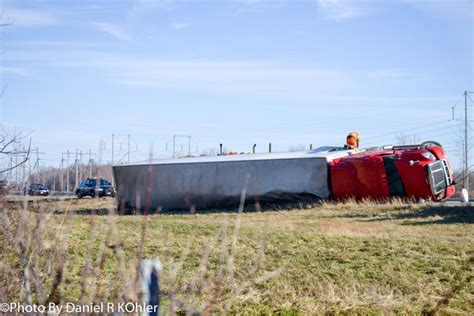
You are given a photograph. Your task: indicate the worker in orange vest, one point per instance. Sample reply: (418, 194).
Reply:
(352, 140)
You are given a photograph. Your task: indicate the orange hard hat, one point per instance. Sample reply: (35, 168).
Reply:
(354, 135)
(351, 142)
(353, 139)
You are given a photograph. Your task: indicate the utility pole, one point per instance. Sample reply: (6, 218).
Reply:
(189, 146)
(67, 177)
(465, 144)
(466, 154)
(113, 149)
(80, 165)
(90, 163)
(174, 146)
(61, 166)
(16, 170)
(113, 180)
(77, 170)
(128, 148)
(67, 153)
(11, 169)
(24, 156)
(119, 139)
(36, 166)
(37, 163)
(24, 166)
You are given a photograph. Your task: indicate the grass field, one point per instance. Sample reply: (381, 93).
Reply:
(337, 258)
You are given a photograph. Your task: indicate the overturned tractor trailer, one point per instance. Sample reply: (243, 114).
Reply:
(415, 172)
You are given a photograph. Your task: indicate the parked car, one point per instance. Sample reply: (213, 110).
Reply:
(90, 187)
(36, 189)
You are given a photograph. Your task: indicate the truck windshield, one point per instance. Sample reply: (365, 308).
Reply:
(438, 176)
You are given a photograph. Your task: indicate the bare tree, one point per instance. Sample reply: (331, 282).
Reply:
(299, 147)
(403, 139)
(10, 142)
(209, 152)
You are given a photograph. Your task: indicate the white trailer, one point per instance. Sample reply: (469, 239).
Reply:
(218, 181)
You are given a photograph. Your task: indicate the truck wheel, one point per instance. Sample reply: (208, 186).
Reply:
(92, 194)
(79, 195)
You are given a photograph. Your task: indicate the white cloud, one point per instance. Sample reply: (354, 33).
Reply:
(300, 81)
(223, 77)
(179, 25)
(15, 71)
(263, 3)
(339, 9)
(389, 73)
(445, 10)
(258, 78)
(145, 5)
(53, 44)
(228, 76)
(114, 30)
(29, 18)
(349, 9)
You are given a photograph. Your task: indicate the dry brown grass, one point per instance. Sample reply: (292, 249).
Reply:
(346, 257)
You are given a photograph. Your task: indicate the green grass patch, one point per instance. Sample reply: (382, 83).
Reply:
(335, 258)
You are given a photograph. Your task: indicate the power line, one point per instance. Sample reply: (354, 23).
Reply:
(174, 144)
(469, 97)
(407, 130)
(418, 133)
(440, 135)
(418, 127)
(120, 142)
(466, 150)
(460, 98)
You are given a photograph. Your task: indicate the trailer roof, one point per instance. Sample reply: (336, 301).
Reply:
(328, 153)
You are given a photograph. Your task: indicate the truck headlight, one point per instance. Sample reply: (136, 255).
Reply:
(428, 155)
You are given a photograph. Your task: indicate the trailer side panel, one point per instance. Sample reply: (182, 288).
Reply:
(220, 183)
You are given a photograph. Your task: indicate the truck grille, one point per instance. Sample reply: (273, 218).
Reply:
(438, 176)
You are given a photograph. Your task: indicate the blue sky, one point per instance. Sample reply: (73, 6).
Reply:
(236, 72)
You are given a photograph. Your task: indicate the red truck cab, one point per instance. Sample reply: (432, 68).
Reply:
(415, 172)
